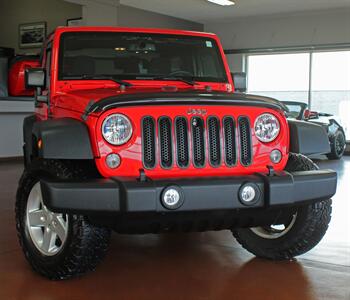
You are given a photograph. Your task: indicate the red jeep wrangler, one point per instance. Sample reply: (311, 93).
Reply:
(141, 131)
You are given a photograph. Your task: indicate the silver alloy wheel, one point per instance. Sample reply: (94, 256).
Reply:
(47, 230)
(274, 231)
(340, 144)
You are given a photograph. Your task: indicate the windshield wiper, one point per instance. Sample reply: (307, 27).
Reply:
(106, 77)
(188, 81)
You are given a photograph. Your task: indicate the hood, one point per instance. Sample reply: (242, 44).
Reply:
(77, 99)
(98, 100)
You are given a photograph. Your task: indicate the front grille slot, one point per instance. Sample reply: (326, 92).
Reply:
(165, 142)
(230, 141)
(245, 141)
(182, 146)
(194, 141)
(198, 142)
(149, 142)
(214, 141)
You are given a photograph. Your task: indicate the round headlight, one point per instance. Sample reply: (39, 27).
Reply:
(266, 128)
(117, 129)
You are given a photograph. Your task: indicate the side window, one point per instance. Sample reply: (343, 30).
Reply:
(48, 67)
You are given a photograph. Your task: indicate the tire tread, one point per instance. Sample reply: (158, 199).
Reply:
(310, 230)
(89, 243)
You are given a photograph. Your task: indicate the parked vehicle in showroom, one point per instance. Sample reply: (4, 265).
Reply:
(141, 131)
(336, 133)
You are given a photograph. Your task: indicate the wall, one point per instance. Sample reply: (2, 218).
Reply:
(99, 13)
(12, 114)
(55, 13)
(111, 12)
(15, 12)
(303, 29)
(236, 62)
(133, 17)
(317, 28)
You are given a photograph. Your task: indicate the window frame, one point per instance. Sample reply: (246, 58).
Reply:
(216, 47)
(309, 50)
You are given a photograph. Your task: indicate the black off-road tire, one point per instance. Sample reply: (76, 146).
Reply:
(336, 153)
(85, 245)
(311, 223)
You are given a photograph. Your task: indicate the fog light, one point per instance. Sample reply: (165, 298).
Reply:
(249, 194)
(275, 156)
(172, 197)
(113, 160)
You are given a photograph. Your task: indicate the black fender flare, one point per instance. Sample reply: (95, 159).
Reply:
(64, 138)
(308, 138)
(28, 124)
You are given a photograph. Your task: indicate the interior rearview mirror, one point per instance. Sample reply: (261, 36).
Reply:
(240, 81)
(35, 78)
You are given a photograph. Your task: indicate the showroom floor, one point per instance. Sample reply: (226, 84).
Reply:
(186, 266)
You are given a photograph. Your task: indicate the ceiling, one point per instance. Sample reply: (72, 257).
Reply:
(203, 11)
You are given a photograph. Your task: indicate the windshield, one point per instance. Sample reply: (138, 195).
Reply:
(295, 110)
(134, 56)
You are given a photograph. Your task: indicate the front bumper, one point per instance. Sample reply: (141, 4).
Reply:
(130, 196)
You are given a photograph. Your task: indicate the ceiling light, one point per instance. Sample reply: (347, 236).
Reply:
(222, 2)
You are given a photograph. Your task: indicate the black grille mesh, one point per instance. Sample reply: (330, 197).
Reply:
(165, 141)
(222, 144)
(230, 141)
(214, 141)
(245, 141)
(198, 142)
(149, 142)
(182, 146)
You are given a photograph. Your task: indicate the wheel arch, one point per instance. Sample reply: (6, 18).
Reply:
(334, 127)
(28, 138)
(308, 138)
(63, 138)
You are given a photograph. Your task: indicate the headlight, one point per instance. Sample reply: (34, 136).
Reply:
(266, 128)
(117, 129)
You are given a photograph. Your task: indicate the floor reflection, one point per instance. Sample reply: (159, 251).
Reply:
(187, 266)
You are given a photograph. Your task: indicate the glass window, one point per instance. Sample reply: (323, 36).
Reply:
(139, 56)
(331, 85)
(286, 78)
(281, 76)
(296, 109)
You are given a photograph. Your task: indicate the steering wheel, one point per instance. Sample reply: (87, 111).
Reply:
(179, 72)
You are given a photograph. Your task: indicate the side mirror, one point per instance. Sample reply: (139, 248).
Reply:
(240, 81)
(35, 78)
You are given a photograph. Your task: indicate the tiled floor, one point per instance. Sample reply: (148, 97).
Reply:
(186, 266)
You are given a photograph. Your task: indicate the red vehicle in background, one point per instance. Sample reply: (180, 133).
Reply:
(16, 78)
(142, 131)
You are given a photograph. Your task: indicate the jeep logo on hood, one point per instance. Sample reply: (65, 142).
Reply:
(197, 111)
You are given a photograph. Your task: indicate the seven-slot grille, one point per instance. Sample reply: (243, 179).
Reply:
(184, 141)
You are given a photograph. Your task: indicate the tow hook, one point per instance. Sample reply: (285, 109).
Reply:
(271, 171)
